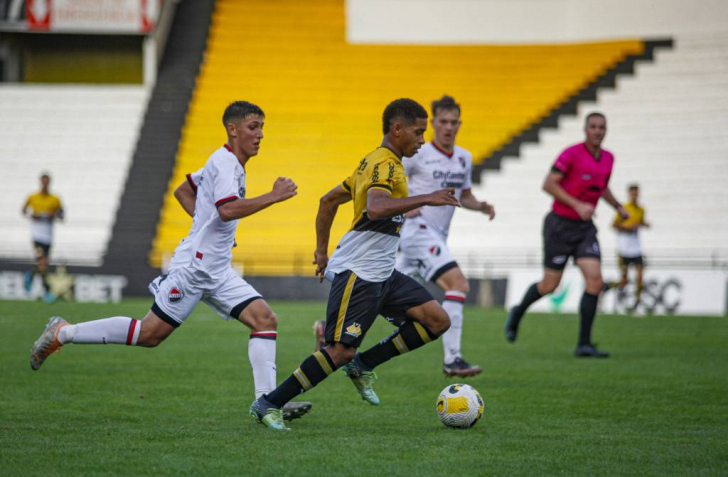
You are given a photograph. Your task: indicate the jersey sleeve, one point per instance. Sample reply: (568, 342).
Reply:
(347, 184)
(194, 178)
(225, 176)
(563, 162)
(384, 176)
(467, 183)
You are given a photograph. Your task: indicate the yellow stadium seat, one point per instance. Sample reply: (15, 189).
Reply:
(324, 98)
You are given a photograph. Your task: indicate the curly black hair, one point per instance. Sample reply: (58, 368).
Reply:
(403, 108)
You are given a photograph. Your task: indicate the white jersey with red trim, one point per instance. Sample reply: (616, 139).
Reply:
(432, 169)
(208, 247)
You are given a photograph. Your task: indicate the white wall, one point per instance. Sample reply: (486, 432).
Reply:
(528, 21)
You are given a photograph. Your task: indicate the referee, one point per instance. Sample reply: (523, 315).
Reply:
(578, 178)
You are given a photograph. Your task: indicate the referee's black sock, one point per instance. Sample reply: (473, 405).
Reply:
(312, 371)
(587, 310)
(408, 337)
(532, 296)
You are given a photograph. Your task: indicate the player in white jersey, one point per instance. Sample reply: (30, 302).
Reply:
(424, 252)
(200, 269)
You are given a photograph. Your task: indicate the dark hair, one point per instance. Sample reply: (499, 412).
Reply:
(45, 174)
(446, 103)
(240, 110)
(595, 114)
(633, 187)
(403, 108)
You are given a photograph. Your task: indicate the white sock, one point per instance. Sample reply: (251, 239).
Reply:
(114, 330)
(453, 305)
(262, 356)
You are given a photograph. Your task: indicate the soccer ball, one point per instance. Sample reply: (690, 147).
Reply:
(459, 406)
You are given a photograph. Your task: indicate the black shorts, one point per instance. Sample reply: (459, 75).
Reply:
(355, 303)
(627, 261)
(564, 238)
(41, 249)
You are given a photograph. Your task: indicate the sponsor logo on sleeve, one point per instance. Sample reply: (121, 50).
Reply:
(175, 295)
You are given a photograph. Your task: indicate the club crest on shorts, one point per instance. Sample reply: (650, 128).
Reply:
(175, 295)
(354, 330)
(435, 250)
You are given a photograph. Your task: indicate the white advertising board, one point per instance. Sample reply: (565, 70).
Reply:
(104, 16)
(666, 292)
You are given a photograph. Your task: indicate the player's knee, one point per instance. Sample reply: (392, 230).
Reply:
(595, 285)
(547, 286)
(267, 321)
(340, 354)
(439, 322)
(462, 286)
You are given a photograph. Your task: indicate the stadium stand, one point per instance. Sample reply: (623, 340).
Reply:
(667, 127)
(323, 99)
(154, 156)
(84, 136)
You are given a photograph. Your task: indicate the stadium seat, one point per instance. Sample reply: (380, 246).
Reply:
(666, 127)
(324, 98)
(85, 137)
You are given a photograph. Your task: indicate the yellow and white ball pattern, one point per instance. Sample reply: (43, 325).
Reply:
(459, 406)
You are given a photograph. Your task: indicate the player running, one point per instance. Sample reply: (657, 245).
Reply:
(200, 269)
(629, 247)
(440, 164)
(364, 281)
(578, 178)
(43, 208)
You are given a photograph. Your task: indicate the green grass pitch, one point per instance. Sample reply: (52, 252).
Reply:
(659, 406)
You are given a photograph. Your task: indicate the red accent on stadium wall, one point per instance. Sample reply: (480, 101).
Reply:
(38, 14)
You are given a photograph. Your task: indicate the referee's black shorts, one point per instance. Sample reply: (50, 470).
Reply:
(564, 238)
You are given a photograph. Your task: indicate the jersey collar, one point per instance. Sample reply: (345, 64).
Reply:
(448, 154)
(592, 155)
(226, 146)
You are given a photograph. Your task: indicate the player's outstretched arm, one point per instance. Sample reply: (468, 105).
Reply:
(283, 189)
(611, 200)
(186, 197)
(380, 205)
(552, 186)
(470, 202)
(328, 206)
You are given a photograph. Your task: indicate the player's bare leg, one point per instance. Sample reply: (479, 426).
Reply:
(115, 330)
(591, 268)
(319, 327)
(639, 269)
(456, 289)
(549, 283)
(263, 323)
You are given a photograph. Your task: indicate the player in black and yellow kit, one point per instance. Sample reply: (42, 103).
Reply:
(43, 208)
(364, 281)
(629, 246)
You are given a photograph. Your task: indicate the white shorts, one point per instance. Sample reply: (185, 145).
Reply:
(423, 252)
(177, 293)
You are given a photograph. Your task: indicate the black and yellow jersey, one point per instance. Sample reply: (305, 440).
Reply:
(369, 248)
(44, 208)
(636, 216)
(628, 243)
